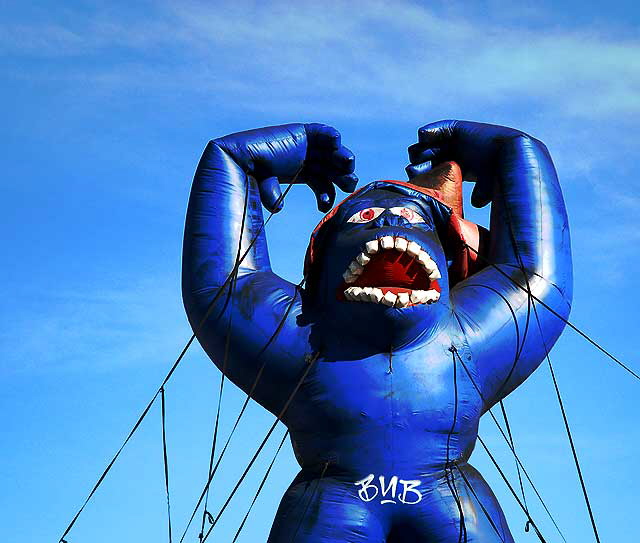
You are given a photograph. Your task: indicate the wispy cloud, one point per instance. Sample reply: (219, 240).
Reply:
(407, 57)
(104, 329)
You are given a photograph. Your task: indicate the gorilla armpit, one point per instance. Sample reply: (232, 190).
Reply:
(410, 326)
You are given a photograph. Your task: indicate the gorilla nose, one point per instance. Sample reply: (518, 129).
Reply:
(390, 219)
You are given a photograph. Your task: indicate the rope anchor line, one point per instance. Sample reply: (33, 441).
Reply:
(230, 278)
(183, 352)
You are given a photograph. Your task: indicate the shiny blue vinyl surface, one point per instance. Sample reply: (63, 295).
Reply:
(387, 416)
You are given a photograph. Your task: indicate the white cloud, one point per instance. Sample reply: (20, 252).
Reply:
(353, 62)
(101, 330)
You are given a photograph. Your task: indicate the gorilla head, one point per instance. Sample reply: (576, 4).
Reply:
(391, 250)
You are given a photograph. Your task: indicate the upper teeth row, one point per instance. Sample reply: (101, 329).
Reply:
(389, 242)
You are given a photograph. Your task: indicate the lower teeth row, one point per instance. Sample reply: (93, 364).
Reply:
(402, 299)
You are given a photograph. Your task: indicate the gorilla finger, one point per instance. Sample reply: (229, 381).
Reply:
(482, 193)
(322, 135)
(413, 170)
(327, 163)
(325, 194)
(416, 150)
(426, 155)
(270, 194)
(434, 133)
(346, 183)
(343, 160)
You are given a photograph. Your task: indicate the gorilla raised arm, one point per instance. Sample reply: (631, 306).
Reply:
(224, 220)
(529, 231)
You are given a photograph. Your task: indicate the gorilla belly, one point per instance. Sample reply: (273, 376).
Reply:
(405, 412)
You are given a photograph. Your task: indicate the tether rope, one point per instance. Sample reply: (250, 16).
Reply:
(513, 446)
(484, 509)
(264, 480)
(311, 496)
(225, 359)
(165, 460)
(516, 249)
(249, 396)
(448, 470)
(515, 455)
(282, 412)
(566, 425)
(555, 313)
(178, 359)
(513, 492)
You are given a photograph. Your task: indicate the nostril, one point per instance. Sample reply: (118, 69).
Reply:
(389, 219)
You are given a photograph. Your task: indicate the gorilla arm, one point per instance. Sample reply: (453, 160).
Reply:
(235, 174)
(528, 231)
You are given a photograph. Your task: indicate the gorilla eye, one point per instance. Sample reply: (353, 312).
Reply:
(366, 215)
(407, 213)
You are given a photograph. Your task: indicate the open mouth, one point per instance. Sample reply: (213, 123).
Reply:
(394, 272)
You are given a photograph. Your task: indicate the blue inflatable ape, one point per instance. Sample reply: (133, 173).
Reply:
(383, 364)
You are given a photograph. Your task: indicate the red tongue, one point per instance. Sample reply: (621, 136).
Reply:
(395, 271)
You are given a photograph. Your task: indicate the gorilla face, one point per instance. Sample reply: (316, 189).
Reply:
(382, 271)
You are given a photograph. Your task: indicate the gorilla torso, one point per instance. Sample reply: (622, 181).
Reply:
(388, 411)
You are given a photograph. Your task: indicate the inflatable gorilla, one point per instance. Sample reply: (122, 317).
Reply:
(410, 325)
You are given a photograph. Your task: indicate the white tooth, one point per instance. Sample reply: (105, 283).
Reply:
(355, 292)
(389, 299)
(426, 261)
(417, 296)
(363, 296)
(413, 249)
(432, 296)
(349, 277)
(363, 259)
(376, 295)
(355, 268)
(435, 274)
(386, 242)
(347, 294)
(403, 299)
(401, 244)
(372, 246)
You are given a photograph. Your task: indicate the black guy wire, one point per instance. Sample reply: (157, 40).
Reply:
(569, 436)
(512, 490)
(555, 313)
(177, 361)
(242, 411)
(214, 439)
(165, 459)
(448, 470)
(306, 371)
(555, 383)
(513, 446)
(515, 455)
(225, 359)
(264, 480)
(313, 493)
(520, 343)
(484, 509)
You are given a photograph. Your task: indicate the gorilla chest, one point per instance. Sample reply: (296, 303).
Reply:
(424, 389)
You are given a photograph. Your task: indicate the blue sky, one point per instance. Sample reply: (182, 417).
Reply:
(106, 109)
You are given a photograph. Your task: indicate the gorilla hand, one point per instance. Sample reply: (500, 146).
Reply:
(476, 147)
(301, 153)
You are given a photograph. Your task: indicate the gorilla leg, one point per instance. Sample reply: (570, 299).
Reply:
(325, 510)
(459, 508)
